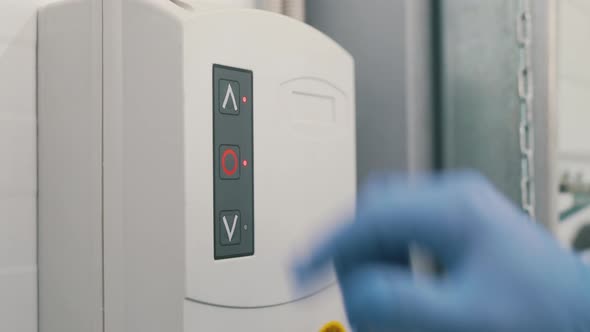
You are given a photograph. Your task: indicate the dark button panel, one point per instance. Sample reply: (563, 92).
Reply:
(233, 162)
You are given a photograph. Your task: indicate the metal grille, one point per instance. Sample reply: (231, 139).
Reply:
(525, 93)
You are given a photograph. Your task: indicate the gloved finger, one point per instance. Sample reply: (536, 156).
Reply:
(429, 216)
(379, 185)
(384, 298)
(399, 258)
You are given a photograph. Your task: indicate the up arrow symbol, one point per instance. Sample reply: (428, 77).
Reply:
(230, 92)
(230, 233)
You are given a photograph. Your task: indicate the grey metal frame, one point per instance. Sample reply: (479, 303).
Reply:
(436, 87)
(390, 41)
(545, 103)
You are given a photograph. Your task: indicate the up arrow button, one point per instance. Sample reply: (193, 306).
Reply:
(229, 92)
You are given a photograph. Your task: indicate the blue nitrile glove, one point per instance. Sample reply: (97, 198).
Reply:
(502, 272)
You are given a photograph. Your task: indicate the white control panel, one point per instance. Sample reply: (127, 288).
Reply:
(226, 146)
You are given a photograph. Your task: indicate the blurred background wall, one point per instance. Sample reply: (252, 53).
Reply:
(573, 105)
(437, 87)
(574, 87)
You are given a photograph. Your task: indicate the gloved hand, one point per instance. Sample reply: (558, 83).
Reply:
(501, 273)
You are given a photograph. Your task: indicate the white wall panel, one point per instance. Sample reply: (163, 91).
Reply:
(18, 259)
(574, 80)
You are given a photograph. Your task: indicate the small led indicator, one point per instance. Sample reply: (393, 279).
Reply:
(244, 99)
(245, 163)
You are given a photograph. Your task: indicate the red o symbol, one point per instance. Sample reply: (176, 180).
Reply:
(224, 167)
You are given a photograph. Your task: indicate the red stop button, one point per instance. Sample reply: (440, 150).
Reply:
(230, 162)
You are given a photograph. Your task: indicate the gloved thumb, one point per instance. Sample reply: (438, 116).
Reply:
(388, 298)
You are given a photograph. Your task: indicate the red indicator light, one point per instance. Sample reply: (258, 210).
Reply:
(245, 163)
(244, 99)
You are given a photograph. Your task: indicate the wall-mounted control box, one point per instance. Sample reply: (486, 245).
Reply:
(220, 145)
(233, 152)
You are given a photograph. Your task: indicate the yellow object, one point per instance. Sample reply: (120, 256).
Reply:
(333, 327)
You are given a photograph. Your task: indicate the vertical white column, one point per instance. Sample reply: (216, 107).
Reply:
(69, 93)
(294, 8)
(115, 300)
(270, 5)
(18, 260)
